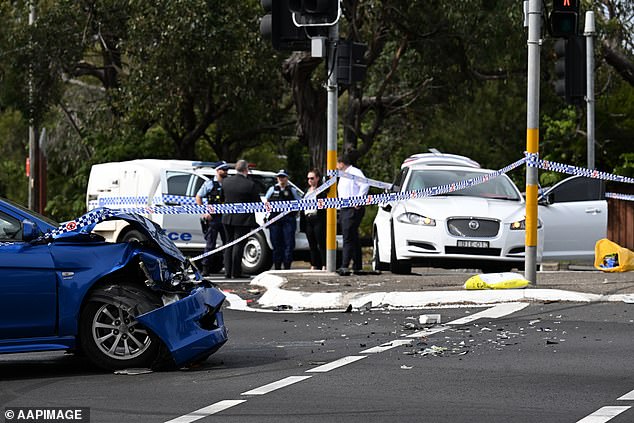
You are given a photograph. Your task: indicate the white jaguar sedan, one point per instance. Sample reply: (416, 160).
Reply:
(480, 227)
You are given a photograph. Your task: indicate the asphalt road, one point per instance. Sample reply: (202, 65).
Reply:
(558, 362)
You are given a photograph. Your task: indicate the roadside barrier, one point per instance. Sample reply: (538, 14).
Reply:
(187, 205)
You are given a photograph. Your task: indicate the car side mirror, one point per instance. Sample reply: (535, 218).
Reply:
(544, 200)
(29, 231)
(386, 207)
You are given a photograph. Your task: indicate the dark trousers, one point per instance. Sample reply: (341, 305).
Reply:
(214, 228)
(350, 221)
(316, 236)
(233, 254)
(283, 239)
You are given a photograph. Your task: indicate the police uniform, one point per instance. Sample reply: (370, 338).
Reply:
(283, 231)
(213, 192)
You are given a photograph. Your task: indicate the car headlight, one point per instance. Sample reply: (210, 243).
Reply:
(416, 219)
(520, 225)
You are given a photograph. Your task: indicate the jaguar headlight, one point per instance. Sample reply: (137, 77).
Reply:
(416, 219)
(520, 225)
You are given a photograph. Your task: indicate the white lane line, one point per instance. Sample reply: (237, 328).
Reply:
(429, 331)
(387, 346)
(500, 310)
(335, 364)
(276, 385)
(603, 414)
(627, 397)
(206, 411)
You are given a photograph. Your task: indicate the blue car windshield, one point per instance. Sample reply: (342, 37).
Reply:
(498, 188)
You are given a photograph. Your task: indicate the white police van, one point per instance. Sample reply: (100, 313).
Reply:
(153, 182)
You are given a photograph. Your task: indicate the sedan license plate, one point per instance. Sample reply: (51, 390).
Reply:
(473, 244)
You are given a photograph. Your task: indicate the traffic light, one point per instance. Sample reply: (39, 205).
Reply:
(351, 65)
(315, 12)
(570, 69)
(564, 18)
(277, 25)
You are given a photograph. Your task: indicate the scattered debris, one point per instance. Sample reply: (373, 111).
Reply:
(133, 371)
(426, 319)
(404, 367)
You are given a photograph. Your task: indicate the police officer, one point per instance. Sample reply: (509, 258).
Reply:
(212, 223)
(283, 231)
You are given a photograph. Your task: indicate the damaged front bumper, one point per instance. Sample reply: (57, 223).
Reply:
(193, 327)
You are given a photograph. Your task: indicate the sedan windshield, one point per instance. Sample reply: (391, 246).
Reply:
(498, 188)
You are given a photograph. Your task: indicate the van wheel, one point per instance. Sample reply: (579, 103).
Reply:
(133, 236)
(256, 257)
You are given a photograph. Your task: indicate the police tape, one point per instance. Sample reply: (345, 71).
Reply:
(310, 195)
(310, 202)
(323, 203)
(619, 196)
(532, 160)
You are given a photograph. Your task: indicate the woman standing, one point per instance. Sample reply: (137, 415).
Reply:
(316, 224)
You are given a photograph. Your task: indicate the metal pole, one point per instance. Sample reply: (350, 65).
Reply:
(589, 32)
(33, 144)
(532, 138)
(331, 158)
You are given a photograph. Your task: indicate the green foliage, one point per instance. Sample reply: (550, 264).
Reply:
(117, 80)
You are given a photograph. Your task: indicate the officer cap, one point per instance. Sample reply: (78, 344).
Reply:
(222, 166)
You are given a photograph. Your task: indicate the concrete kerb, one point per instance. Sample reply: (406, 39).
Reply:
(276, 298)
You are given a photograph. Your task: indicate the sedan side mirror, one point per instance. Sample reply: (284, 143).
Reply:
(29, 231)
(544, 200)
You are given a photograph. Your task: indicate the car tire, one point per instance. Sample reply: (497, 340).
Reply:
(133, 235)
(109, 334)
(377, 265)
(257, 256)
(399, 267)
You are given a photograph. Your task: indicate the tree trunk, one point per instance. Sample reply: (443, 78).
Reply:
(311, 104)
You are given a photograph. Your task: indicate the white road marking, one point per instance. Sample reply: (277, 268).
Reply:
(276, 385)
(497, 311)
(206, 411)
(500, 310)
(627, 397)
(335, 364)
(603, 414)
(429, 331)
(387, 346)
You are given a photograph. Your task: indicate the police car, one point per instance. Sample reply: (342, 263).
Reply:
(154, 182)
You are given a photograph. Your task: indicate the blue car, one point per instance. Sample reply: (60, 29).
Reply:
(122, 305)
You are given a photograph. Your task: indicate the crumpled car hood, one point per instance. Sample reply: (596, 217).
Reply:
(153, 232)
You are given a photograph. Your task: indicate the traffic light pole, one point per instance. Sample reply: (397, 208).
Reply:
(331, 157)
(532, 138)
(589, 32)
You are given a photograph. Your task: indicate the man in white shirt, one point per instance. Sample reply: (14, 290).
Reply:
(350, 216)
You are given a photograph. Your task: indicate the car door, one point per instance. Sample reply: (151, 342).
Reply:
(574, 215)
(28, 294)
(383, 220)
(178, 188)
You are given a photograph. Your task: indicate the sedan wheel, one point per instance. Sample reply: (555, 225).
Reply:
(377, 264)
(109, 333)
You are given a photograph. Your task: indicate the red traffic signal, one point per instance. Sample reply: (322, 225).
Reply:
(564, 18)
